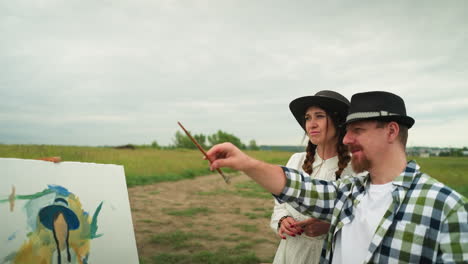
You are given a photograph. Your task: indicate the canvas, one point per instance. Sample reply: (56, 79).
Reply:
(66, 212)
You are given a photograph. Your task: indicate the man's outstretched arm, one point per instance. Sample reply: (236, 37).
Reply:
(313, 197)
(271, 177)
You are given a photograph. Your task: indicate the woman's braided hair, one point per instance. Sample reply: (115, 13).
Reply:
(341, 149)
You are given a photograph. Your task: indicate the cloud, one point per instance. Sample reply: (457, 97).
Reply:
(126, 71)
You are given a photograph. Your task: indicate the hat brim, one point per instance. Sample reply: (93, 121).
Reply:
(404, 120)
(300, 105)
(47, 214)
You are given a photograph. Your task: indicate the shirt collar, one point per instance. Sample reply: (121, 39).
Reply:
(328, 163)
(406, 177)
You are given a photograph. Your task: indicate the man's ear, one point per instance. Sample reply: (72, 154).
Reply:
(393, 130)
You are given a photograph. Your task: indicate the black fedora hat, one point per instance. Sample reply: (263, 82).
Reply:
(330, 101)
(377, 105)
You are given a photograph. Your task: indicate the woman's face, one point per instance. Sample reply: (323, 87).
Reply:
(61, 230)
(319, 127)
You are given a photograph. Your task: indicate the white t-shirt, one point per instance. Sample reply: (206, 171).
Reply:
(353, 240)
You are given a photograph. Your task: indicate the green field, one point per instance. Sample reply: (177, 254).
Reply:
(452, 171)
(144, 166)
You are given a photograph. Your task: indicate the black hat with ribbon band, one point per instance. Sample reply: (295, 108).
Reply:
(382, 106)
(332, 102)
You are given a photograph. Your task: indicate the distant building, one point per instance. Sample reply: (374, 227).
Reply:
(429, 151)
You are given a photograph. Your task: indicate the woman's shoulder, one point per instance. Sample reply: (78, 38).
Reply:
(296, 160)
(299, 155)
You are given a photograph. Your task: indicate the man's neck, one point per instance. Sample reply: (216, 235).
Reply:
(387, 169)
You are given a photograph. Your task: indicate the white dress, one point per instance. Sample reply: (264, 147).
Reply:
(303, 249)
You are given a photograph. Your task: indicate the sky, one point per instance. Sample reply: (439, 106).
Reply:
(111, 72)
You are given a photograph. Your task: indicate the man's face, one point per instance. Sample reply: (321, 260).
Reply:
(364, 140)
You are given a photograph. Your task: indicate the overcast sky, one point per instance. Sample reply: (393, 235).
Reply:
(107, 72)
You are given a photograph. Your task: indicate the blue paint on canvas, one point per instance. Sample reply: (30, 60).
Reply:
(12, 236)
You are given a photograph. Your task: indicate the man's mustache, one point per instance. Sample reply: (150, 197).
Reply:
(354, 148)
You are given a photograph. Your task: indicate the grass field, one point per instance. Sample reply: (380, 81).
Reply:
(142, 166)
(219, 223)
(145, 166)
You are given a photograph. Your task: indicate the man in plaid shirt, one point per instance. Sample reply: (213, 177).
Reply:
(393, 214)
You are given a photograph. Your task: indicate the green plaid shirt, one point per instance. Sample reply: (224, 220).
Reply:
(426, 223)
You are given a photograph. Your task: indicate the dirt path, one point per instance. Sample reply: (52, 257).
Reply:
(203, 214)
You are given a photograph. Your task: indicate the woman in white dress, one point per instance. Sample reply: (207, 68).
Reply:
(326, 157)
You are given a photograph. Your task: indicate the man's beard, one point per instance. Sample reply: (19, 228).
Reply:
(360, 165)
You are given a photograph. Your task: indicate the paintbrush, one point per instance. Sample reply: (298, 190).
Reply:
(226, 178)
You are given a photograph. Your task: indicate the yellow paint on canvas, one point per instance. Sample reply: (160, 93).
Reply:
(40, 246)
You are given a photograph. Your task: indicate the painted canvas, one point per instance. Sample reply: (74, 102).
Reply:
(66, 212)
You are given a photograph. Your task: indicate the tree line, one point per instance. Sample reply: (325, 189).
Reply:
(181, 140)
(454, 152)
